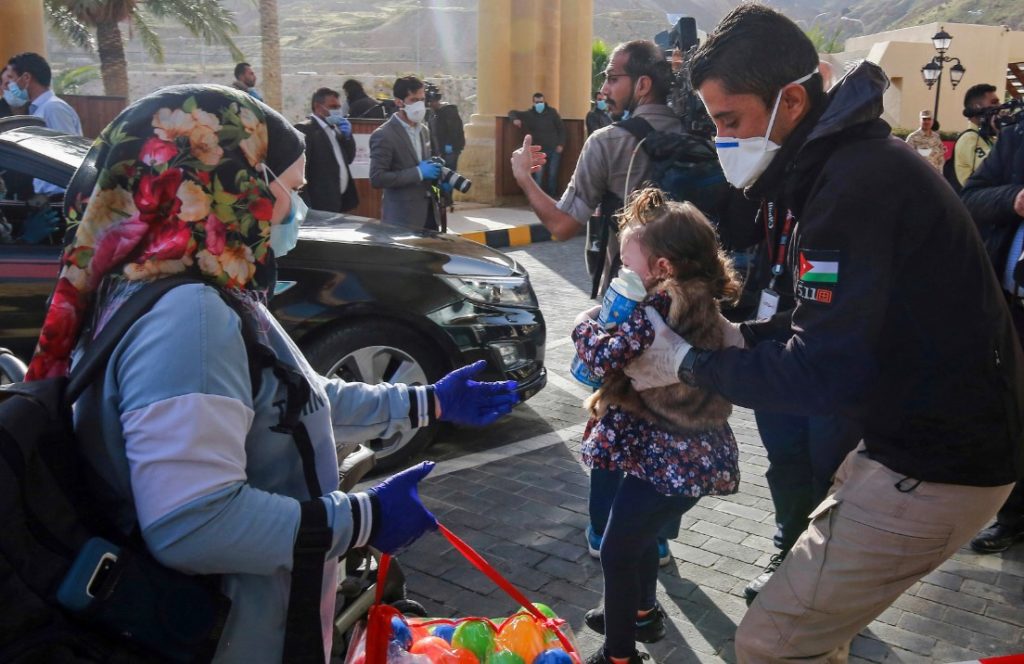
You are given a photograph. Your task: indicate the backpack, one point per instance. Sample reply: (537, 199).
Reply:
(684, 165)
(53, 508)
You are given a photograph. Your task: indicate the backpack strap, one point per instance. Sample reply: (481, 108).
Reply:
(639, 127)
(303, 636)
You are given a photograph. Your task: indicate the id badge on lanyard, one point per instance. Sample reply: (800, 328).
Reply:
(768, 305)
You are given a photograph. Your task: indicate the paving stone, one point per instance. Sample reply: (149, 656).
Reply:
(565, 550)
(736, 551)
(867, 649)
(944, 579)
(934, 628)
(579, 571)
(573, 593)
(693, 555)
(1009, 614)
(984, 625)
(720, 532)
(890, 616)
(766, 530)
(920, 606)
(901, 638)
(945, 652)
(991, 592)
(952, 598)
(751, 513)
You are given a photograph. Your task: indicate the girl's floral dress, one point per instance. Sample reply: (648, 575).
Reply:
(700, 463)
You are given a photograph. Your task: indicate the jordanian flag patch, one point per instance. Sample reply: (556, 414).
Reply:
(819, 267)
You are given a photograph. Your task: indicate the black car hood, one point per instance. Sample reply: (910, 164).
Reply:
(455, 254)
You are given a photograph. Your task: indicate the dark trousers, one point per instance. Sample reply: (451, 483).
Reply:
(547, 177)
(1011, 514)
(803, 455)
(629, 557)
(604, 485)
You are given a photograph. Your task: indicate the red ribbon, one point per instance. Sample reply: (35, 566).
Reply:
(378, 628)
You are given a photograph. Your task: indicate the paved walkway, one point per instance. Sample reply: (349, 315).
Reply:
(524, 508)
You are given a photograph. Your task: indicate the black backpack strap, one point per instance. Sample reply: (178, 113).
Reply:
(303, 636)
(636, 126)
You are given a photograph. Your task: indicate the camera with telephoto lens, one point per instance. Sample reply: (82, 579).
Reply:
(457, 181)
(680, 43)
(994, 118)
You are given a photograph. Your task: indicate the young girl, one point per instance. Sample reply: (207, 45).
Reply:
(673, 443)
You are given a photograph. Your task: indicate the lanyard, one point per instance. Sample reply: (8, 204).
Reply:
(783, 244)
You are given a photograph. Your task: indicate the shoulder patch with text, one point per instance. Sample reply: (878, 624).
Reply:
(817, 275)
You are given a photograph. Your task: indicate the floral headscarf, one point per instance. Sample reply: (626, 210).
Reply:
(175, 189)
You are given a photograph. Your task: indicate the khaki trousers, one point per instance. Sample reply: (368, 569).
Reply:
(868, 541)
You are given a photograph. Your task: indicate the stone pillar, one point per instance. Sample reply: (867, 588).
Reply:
(525, 46)
(23, 28)
(577, 36)
(493, 80)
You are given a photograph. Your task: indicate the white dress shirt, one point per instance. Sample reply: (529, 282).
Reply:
(57, 114)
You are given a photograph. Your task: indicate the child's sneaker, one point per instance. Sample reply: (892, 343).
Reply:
(593, 543)
(649, 629)
(664, 555)
(600, 658)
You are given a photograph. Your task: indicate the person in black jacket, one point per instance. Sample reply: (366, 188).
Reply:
(447, 136)
(994, 194)
(598, 116)
(330, 148)
(361, 105)
(899, 325)
(545, 125)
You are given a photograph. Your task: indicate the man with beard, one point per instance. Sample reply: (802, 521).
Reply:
(638, 80)
(899, 325)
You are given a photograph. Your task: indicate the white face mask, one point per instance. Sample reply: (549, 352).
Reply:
(745, 159)
(416, 111)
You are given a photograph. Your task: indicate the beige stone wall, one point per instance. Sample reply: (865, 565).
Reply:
(22, 30)
(983, 50)
(525, 46)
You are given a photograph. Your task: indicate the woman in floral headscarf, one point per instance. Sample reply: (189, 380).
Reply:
(201, 180)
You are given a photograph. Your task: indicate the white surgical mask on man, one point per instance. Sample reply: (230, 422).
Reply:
(416, 111)
(745, 159)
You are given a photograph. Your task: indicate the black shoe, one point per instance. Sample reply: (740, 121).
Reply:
(600, 658)
(996, 538)
(649, 629)
(755, 586)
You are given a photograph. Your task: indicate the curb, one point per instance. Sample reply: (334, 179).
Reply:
(515, 236)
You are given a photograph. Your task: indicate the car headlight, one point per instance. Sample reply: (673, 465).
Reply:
(494, 290)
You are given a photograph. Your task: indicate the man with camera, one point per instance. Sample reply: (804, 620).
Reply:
(994, 195)
(448, 138)
(400, 162)
(330, 148)
(981, 106)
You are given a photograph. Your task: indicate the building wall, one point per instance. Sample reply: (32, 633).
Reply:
(983, 50)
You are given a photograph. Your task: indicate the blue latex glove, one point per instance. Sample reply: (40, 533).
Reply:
(40, 225)
(448, 149)
(429, 170)
(446, 187)
(403, 518)
(466, 401)
(344, 126)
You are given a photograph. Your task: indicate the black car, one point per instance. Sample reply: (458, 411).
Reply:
(365, 301)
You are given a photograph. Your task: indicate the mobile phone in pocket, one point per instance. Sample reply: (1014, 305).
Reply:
(88, 574)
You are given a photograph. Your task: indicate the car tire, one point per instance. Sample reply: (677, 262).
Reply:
(375, 352)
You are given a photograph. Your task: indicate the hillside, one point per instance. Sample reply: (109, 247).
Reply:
(325, 41)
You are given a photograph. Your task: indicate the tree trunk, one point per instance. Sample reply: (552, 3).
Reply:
(113, 65)
(270, 43)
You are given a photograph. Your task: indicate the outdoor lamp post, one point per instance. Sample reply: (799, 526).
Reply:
(932, 72)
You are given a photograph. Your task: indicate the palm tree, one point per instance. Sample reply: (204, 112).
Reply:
(73, 21)
(270, 44)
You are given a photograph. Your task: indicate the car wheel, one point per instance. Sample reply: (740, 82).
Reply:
(381, 352)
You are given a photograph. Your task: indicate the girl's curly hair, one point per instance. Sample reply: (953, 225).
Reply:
(681, 234)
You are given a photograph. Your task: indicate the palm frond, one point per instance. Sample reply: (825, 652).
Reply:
(147, 35)
(69, 30)
(207, 19)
